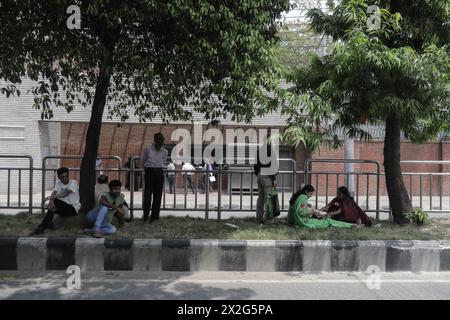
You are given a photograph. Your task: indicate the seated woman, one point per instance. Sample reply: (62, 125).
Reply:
(344, 208)
(301, 215)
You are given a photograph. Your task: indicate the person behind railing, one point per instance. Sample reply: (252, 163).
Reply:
(207, 174)
(302, 215)
(136, 173)
(64, 201)
(154, 159)
(214, 168)
(266, 179)
(344, 208)
(188, 171)
(111, 203)
(101, 187)
(98, 167)
(170, 174)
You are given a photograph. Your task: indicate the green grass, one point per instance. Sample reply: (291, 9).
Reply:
(198, 228)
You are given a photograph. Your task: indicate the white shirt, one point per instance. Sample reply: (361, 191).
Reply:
(73, 198)
(99, 189)
(188, 167)
(170, 168)
(152, 158)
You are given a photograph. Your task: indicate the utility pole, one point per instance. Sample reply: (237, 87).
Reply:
(349, 153)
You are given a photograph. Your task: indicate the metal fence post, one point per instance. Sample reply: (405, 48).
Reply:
(206, 186)
(219, 192)
(132, 187)
(378, 191)
(306, 169)
(43, 186)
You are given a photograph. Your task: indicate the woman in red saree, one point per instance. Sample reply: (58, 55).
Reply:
(344, 208)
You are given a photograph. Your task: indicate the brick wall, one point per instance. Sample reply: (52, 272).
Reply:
(126, 141)
(130, 140)
(373, 150)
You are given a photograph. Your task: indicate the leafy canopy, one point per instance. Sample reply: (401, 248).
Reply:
(215, 57)
(365, 74)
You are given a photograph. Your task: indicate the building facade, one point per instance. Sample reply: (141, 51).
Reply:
(23, 132)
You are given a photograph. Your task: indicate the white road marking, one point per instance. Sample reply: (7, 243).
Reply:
(224, 281)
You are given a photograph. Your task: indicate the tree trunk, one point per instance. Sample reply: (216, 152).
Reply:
(398, 196)
(87, 169)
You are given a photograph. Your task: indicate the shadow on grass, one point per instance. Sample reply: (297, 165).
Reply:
(235, 228)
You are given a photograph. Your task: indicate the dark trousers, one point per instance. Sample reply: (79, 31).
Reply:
(189, 180)
(171, 180)
(154, 181)
(61, 208)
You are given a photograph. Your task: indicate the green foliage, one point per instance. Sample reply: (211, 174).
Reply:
(215, 57)
(417, 216)
(296, 43)
(368, 72)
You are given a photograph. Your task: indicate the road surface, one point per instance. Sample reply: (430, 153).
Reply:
(223, 285)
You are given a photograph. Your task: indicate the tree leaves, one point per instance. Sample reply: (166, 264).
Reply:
(364, 72)
(207, 56)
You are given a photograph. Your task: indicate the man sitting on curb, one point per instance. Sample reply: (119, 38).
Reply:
(64, 201)
(102, 187)
(111, 203)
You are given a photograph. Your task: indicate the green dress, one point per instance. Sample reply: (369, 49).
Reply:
(300, 216)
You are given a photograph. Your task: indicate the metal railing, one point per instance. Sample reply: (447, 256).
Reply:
(235, 187)
(439, 184)
(219, 174)
(30, 182)
(309, 173)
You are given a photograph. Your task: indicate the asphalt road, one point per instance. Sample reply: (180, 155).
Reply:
(224, 286)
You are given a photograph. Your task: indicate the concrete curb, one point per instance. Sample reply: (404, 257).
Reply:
(39, 254)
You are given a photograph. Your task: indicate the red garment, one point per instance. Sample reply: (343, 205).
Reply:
(350, 211)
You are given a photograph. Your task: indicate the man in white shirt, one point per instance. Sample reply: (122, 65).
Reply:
(153, 159)
(64, 200)
(171, 177)
(188, 171)
(207, 169)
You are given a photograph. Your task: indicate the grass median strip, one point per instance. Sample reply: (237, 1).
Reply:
(236, 228)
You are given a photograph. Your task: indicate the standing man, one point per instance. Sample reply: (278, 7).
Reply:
(266, 168)
(171, 177)
(207, 174)
(188, 171)
(153, 159)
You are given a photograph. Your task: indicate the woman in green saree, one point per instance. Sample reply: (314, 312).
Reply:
(302, 215)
